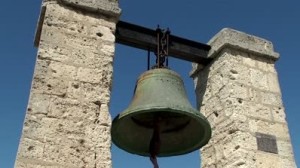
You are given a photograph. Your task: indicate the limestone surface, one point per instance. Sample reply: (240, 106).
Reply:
(240, 95)
(67, 122)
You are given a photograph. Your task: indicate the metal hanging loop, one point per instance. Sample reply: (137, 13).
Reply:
(162, 50)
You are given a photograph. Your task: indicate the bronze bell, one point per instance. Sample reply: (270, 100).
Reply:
(160, 101)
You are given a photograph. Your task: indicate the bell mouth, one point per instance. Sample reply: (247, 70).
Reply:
(180, 132)
(168, 122)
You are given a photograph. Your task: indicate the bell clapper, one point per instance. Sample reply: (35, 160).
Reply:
(155, 143)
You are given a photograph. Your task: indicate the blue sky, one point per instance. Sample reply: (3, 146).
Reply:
(276, 21)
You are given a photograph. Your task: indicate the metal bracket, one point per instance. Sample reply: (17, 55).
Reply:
(146, 39)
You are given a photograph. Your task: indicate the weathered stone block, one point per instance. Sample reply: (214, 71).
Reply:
(39, 104)
(279, 130)
(50, 85)
(265, 64)
(270, 98)
(214, 118)
(103, 157)
(52, 154)
(278, 114)
(268, 160)
(285, 149)
(96, 135)
(104, 116)
(73, 155)
(254, 95)
(249, 60)
(230, 126)
(41, 68)
(234, 107)
(90, 75)
(105, 33)
(233, 90)
(62, 71)
(32, 148)
(258, 111)
(62, 126)
(31, 163)
(240, 158)
(219, 152)
(88, 92)
(236, 141)
(211, 105)
(273, 82)
(80, 57)
(209, 166)
(208, 152)
(288, 162)
(243, 76)
(31, 128)
(73, 109)
(258, 79)
(55, 53)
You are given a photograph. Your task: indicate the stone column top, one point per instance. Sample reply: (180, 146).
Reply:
(239, 40)
(108, 7)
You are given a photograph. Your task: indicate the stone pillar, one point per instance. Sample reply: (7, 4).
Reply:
(240, 95)
(67, 122)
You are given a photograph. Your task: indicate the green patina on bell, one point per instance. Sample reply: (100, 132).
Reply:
(160, 98)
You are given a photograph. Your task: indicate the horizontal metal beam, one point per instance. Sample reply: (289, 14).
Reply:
(144, 38)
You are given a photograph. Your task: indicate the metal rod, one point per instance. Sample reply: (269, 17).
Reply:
(148, 60)
(158, 48)
(167, 55)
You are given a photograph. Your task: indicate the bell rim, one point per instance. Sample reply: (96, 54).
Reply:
(201, 121)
